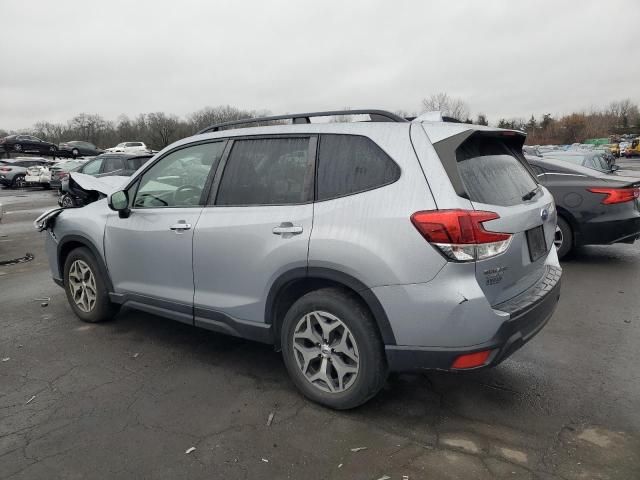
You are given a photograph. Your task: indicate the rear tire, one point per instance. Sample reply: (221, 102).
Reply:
(563, 239)
(332, 349)
(75, 153)
(86, 288)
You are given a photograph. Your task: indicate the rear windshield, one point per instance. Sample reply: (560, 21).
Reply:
(492, 173)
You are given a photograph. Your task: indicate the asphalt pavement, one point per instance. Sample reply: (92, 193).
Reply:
(145, 397)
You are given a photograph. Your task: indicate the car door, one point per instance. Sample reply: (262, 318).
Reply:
(255, 227)
(37, 145)
(149, 253)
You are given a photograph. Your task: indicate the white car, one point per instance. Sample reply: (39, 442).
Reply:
(128, 147)
(38, 175)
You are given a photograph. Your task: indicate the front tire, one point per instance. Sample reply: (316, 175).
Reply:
(75, 153)
(19, 182)
(563, 239)
(332, 349)
(86, 288)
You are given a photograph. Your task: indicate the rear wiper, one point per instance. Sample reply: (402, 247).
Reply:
(530, 195)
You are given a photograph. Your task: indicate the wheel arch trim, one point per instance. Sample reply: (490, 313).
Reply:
(334, 276)
(85, 242)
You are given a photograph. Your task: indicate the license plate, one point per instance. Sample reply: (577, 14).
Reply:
(537, 243)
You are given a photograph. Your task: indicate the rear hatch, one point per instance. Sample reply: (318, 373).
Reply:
(34, 171)
(489, 170)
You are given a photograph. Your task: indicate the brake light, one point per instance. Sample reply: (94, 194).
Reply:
(617, 195)
(460, 235)
(5, 169)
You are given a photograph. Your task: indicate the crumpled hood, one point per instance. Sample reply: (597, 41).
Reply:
(105, 185)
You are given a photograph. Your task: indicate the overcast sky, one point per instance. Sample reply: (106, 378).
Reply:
(505, 58)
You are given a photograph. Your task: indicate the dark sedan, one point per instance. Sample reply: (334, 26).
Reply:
(77, 148)
(594, 208)
(27, 144)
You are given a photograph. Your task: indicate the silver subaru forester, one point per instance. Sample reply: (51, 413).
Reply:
(356, 248)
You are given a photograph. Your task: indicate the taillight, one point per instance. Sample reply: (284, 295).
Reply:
(460, 235)
(617, 195)
(63, 174)
(5, 169)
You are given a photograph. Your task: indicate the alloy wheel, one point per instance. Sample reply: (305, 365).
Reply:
(558, 238)
(20, 182)
(326, 352)
(17, 147)
(82, 285)
(67, 201)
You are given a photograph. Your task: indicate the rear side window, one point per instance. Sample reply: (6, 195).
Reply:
(93, 167)
(350, 164)
(270, 171)
(113, 164)
(492, 173)
(136, 163)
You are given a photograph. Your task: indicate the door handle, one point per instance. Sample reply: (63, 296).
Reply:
(287, 229)
(180, 226)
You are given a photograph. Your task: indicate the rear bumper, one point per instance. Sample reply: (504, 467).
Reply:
(608, 232)
(528, 313)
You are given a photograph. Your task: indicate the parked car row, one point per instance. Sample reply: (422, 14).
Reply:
(20, 144)
(41, 172)
(13, 173)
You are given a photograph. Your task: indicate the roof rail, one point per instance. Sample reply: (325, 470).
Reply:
(374, 115)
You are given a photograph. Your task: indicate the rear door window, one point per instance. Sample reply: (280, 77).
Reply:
(267, 171)
(136, 163)
(93, 167)
(492, 173)
(113, 164)
(349, 164)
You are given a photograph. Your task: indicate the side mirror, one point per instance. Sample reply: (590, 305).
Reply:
(119, 201)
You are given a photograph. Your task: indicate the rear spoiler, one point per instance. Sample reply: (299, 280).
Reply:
(447, 146)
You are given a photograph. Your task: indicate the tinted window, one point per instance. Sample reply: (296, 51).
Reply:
(92, 167)
(136, 163)
(491, 173)
(272, 171)
(178, 179)
(113, 164)
(350, 164)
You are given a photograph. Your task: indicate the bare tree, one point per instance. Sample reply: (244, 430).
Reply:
(449, 106)
(164, 129)
(212, 115)
(482, 120)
